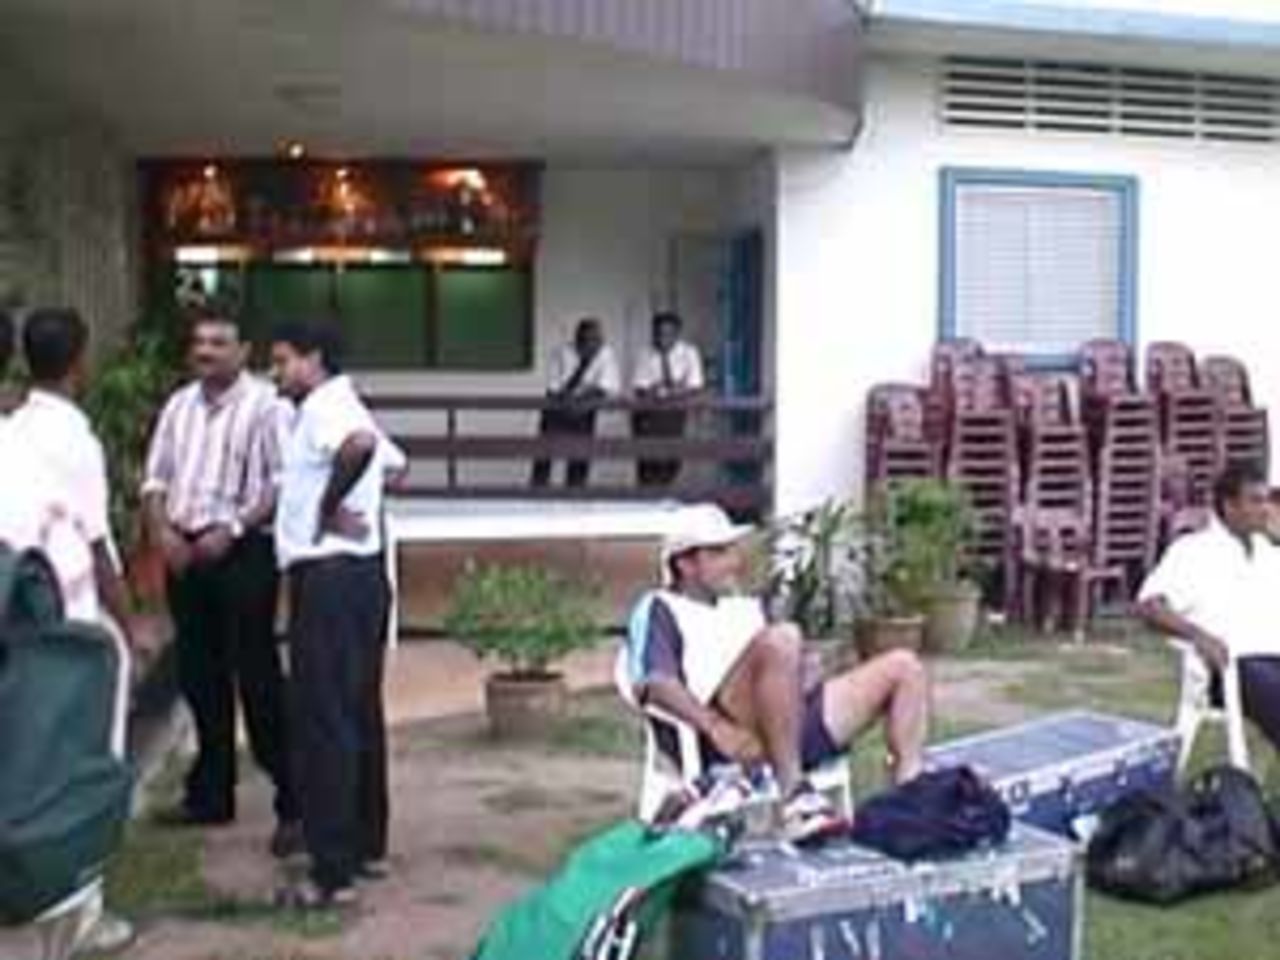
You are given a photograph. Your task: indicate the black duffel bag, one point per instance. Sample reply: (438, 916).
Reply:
(939, 814)
(1165, 846)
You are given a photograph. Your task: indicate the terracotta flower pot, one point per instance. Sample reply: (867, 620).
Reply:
(524, 705)
(951, 617)
(876, 635)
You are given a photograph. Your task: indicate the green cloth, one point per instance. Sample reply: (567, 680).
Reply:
(551, 922)
(64, 797)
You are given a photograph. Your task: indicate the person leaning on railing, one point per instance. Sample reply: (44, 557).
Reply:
(582, 374)
(669, 372)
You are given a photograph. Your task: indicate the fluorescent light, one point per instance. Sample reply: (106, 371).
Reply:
(198, 255)
(467, 256)
(300, 255)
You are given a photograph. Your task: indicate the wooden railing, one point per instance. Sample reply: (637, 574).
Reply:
(726, 451)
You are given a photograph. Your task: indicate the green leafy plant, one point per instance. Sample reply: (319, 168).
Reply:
(935, 526)
(123, 401)
(916, 537)
(813, 578)
(526, 617)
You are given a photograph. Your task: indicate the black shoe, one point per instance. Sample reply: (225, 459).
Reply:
(184, 816)
(287, 840)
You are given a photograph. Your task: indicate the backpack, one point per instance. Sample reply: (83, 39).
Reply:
(611, 891)
(1165, 846)
(942, 813)
(64, 795)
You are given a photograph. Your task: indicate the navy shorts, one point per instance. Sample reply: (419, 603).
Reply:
(817, 746)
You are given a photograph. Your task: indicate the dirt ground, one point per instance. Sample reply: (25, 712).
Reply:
(475, 823)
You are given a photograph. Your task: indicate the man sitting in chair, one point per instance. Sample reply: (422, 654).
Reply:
(703, 652)
(1215, 589)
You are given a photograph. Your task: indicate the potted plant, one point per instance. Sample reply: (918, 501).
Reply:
(122, 402)
(811, 577)
(895, 580)
(936, 525)
(811, 556)
(527, 618)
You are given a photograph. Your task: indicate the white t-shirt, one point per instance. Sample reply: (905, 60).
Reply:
(694, 642)
(56, 431)
(327, 417)
(602, 373)
(1209, 578)
(684, 362)
(36, 512)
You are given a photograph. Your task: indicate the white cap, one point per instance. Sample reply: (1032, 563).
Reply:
(703, 525)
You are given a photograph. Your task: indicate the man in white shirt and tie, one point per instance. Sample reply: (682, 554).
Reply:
(328, 538)
(582, 374)
(668, 374)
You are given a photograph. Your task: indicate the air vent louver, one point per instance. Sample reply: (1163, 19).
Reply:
(1109, 100)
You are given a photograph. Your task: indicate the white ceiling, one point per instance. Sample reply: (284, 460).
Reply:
(356, 77)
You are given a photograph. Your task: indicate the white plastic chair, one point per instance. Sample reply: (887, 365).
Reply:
(661, 775)
(63, 926)
(1195, 706)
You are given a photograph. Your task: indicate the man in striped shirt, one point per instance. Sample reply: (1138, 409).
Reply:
(209, 498)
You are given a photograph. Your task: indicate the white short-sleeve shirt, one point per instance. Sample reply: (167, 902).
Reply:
(684, 362)
(58, 432)
(705, 640)
(327, 417)
(1210, 579)
(601, 374)
(35, 512)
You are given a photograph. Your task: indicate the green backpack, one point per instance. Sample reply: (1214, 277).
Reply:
(611, 892)
(64, 795)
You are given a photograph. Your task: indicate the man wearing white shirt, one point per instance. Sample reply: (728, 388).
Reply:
(209, 496)
(328, 535)
(50, 426)
(582, 374)
(53, 498)
(1215, 589)
(669, 373)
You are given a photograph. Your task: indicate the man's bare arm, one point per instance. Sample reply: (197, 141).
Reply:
(674, 697)
(1158, 615)
(349, 464)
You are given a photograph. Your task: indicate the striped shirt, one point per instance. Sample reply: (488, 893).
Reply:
(215, 459)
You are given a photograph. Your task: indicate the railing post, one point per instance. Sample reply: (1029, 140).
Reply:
(451, 434)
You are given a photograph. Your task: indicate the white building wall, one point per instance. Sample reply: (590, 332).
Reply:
(858, 261)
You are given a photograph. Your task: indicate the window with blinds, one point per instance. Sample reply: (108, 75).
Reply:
(1034, 265)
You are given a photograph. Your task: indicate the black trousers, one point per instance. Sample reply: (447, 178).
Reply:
(224, 615)
(1260, 693)
(565, 421)
(337, 642)
(658, 423)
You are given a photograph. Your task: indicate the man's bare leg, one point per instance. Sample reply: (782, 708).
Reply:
(763, 694)
(895, 684)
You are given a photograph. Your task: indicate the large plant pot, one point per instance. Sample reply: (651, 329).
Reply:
(951, 617)
(876, 635)
(524, 705)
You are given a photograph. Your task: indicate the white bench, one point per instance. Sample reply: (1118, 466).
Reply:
(495, 521)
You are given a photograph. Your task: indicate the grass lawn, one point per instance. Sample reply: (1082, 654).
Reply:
(161, 877)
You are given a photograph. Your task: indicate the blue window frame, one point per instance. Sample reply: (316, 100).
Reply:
(1034, 262)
